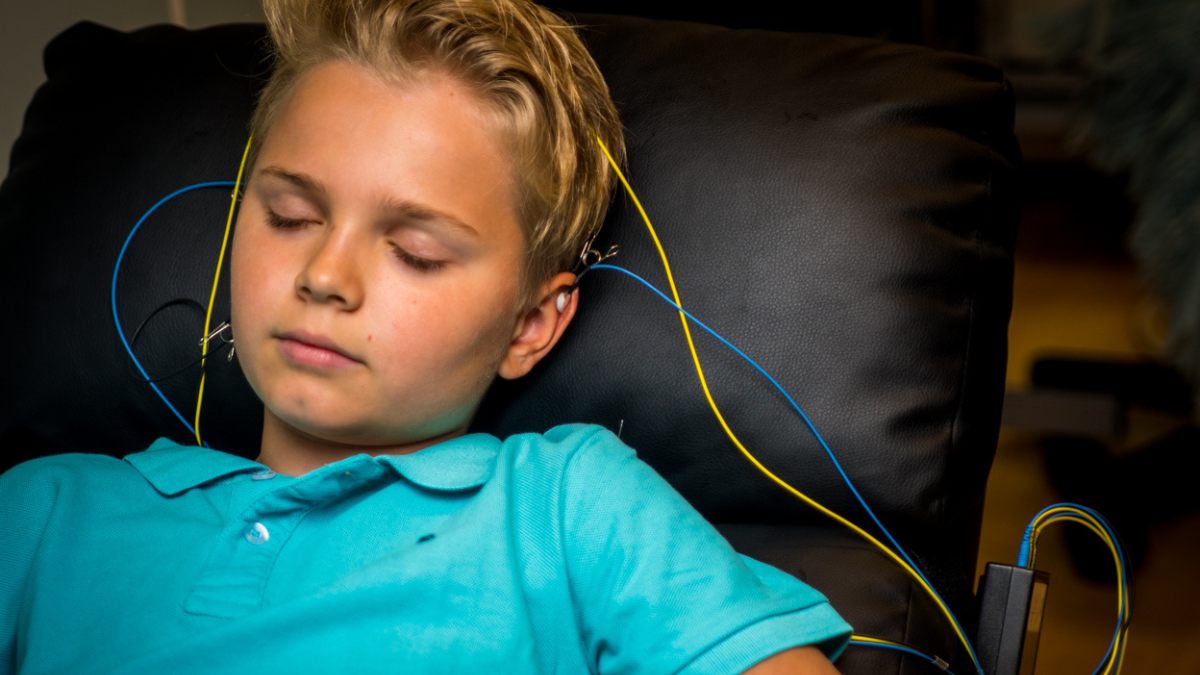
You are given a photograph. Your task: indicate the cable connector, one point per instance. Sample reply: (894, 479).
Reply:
(1011, 604)
(1023, 552)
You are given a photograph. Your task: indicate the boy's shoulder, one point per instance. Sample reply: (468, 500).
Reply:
(564, 440)
(80, 473)
(63, 469)
(585, 468)
(68, 483)
(581, 450)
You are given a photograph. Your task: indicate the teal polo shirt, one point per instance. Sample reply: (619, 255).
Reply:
(554, 553)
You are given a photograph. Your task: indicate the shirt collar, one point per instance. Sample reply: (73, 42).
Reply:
(457, 464)
(172, 468)
(460, 463)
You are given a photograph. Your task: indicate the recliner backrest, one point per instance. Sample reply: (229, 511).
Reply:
(842, 209)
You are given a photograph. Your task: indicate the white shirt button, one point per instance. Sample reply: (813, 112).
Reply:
(263, 475)
(256, 533)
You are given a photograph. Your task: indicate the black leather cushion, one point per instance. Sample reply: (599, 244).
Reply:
(841, 208)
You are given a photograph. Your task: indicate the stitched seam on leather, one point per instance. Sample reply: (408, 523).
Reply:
(952, 460)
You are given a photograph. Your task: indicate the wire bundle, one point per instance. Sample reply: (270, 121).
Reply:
(898, 555)
(1082, 515)
(113, 295)
(233, 199)
(880, 643)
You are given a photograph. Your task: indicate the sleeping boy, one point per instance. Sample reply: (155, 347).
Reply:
(422, 177)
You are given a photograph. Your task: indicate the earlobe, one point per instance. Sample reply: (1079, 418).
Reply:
(540, 328)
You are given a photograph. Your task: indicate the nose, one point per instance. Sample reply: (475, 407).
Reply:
(332, 274)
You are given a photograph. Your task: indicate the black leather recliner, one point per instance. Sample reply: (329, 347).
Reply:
(843, 209)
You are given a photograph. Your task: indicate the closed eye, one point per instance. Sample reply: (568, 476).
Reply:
(280, 223)
(417, 263)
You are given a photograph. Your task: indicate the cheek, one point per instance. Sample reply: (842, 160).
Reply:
(462, 333)
(257, 284)
(258, 268)
(243, 280)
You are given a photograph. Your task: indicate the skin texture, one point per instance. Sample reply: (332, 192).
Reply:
(376, 277)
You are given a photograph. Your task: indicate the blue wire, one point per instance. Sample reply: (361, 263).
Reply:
(906, 650)
(807, 422)
(1120, 557)
(117, 271)
(1023, 561)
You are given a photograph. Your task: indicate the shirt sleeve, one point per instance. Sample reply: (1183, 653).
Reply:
(658, 590)
(27, 497)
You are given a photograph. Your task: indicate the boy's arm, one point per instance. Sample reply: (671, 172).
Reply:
(794, 661)
(26, 499)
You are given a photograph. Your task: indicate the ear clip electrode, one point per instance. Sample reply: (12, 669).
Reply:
(588, 258)
(219, 333)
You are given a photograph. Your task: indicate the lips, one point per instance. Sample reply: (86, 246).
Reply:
(316, 351)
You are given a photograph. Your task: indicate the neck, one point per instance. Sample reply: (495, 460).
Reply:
(289, 451)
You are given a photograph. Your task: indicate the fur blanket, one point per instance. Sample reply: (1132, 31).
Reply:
(1141, 114)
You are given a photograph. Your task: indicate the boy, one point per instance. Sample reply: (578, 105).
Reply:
(423, 175)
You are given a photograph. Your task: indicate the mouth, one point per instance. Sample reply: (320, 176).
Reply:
(316, 351)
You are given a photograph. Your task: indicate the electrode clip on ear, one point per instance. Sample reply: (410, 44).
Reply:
(588, 258)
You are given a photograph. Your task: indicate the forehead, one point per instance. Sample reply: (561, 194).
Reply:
(426, 142)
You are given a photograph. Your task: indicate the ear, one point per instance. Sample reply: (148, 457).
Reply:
(540, 327)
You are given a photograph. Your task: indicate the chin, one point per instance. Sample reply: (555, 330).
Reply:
(325, 420)
(333, 431)
(337, 417)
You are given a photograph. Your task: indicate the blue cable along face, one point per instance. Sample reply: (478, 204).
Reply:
(117, 272)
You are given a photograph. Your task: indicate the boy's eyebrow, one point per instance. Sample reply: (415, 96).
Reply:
(414, 211)
(300, 180)
(399, 207)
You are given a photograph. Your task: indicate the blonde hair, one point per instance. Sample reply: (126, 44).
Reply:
(526, 65)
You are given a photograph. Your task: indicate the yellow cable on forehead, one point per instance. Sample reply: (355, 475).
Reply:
(212, 297)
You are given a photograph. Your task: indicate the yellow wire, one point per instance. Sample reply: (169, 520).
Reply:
(1070, 514)
(1083, 518)
(729, 432)
(1073, 517)
(1124, 608)
(1123, 639)
(865, 638)
(880, 641)
(212, 297)
(1087, 520)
